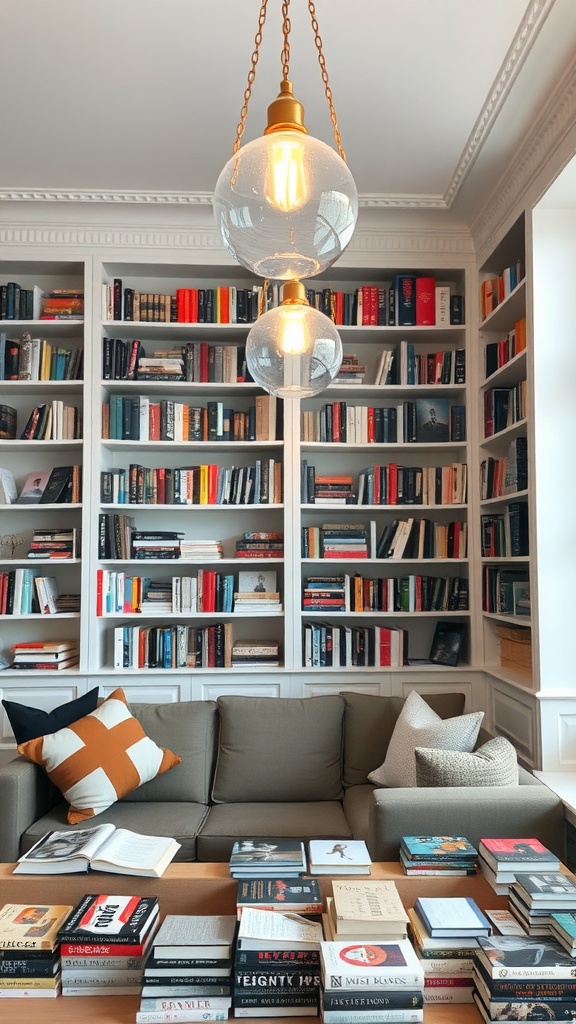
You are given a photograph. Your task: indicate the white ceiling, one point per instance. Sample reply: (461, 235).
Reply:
(433, 96)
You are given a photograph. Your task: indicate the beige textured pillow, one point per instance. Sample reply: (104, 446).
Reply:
(494, 764)
(419, 726)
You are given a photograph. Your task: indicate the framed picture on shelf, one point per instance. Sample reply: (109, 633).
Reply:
(256, 582)
(432, 420)
(447, 643)
(521, 597)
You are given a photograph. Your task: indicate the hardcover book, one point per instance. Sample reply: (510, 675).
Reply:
(367, 907)
(273, 856)
(27, 927)
(447, 643)
(302, 895)
(339, 857)
(437, 847)
(451, 917)
(364, 965)
(547, 888)
(515, 957)
(195, 935)
(518, 854)
(123, 920)
(104, 848)
(432, 420)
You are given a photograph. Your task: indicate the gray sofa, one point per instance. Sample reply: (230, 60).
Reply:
(284, 767)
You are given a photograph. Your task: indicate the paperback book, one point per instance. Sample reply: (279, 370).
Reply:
(26, 927)
(368, 966)
(195, 935)
(517, 855)
(253, 857)
(339, 857)
(302, 895)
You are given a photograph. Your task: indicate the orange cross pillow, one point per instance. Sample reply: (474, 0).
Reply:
(100, 758)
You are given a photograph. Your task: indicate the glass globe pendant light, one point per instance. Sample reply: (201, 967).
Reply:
(286, 204)
(293, 350)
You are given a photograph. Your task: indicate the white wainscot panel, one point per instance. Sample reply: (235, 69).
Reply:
(324, 685)
(138, 690)
(214, 688)
(402, 687)
(517, 721)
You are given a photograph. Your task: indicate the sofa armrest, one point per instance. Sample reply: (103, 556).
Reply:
(26, 794)
(523, 811)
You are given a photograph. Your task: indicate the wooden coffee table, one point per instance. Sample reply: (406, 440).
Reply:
(199, 889)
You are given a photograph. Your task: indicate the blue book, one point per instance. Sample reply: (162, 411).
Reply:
(438, 847)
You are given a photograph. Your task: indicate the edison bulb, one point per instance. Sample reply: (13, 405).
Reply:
(293, 351)
(286, 206)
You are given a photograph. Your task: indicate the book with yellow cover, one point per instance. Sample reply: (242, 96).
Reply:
(27, 926)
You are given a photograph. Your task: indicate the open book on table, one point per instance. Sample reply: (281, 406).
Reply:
(102, 848)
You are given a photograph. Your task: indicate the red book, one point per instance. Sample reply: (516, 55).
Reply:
(154, 421)
(371, 435)
(223, 304)
(192, 310)
(181, 305)
(384, 647)
(392, 496)
(203, 362)
(425, 301)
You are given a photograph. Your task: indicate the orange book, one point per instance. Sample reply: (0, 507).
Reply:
(223, 304)
(520, 328)
(154, 421)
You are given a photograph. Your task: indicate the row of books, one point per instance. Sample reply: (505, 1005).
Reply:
(204, 484)
(413, 593)
(52, 421)
(119, 593)
(178, 645)
(505, 591)
(422, 421)
(409, 300)
(329, 645)
(497, 287)
(33, 359)
(503, 407)
(56, 543)
(58, 486)
(422, 538)
(505, 534)
(447, 366)
(138, 418)
(24, 592)
(501, 476)
(19, 303)
(198, 362)
(498, 353)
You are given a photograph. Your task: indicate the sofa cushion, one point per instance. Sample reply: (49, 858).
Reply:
(493, 764)
(369, 722)
(181, 822)
(29, 723)
(322, 819)
(279, 749)
(419, 726)
(191, 728)
(99, 758)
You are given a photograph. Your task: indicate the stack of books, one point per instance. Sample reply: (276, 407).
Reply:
(500, 860)
(195, 550)
(301, 896)
(42, 655)
(155, 544)
(523, 978)
(163, 365)
(189, 968)
(257, 592)
(276, 965)
(326, 593)
(437, 855)
(57, 543)
(534, 897)
(445, 932)
(364, 982)
(563, 929)
(367, 909)
(251, 858)
(339, 857)
(260, 544)
(255, 652)
(351, 370)
(334, 489)
(29, 950)
(103, 943)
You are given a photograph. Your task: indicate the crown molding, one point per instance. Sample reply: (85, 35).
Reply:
(532, 22)
(367, 239)
(115, 198)
(550, 129)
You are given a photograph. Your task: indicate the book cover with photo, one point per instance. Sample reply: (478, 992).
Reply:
(257, 582)
(34, 488)
(432, 420)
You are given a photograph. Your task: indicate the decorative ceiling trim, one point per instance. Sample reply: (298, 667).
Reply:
(555, 121)
(116, 198)
(528, 32)
(366, 240)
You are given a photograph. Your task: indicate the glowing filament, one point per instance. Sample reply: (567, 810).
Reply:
(287, 186)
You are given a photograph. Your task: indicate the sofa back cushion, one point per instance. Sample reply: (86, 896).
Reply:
(369, 722)
(190, 730)
(279, 749)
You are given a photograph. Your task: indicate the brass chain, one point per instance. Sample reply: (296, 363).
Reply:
(327, 89)
(285, 58)
(286, 27)
(251, 76)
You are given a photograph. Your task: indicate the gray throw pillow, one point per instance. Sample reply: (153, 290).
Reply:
(419, 726)
(493, 764)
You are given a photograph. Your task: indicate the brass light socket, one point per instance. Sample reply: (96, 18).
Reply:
(285, 113)
(294, 293)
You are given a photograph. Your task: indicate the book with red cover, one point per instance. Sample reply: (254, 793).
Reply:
(518, 854)
(425, 301)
